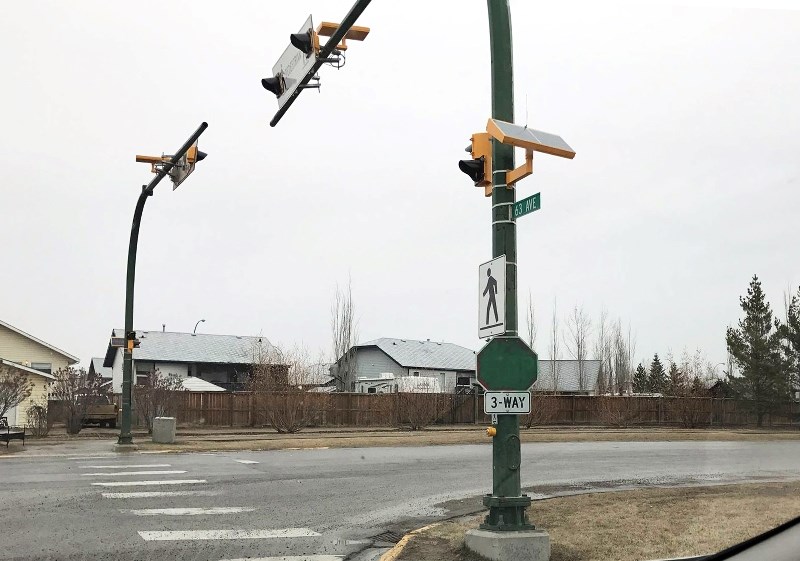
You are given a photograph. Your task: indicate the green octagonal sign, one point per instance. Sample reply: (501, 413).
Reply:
(507, 364)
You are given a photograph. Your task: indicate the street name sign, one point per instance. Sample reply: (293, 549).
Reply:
(507, 364)
(492, 297)
(507, 403)
(527, 205)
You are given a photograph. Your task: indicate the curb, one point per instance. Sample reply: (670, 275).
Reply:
(393, 553)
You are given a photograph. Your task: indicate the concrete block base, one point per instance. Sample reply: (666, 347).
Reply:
(164, 430)
(528, 545)
(125, 448)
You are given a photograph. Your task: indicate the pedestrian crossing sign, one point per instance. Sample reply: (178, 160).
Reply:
(492, 298)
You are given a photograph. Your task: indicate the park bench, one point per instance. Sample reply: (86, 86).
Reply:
(8, 433)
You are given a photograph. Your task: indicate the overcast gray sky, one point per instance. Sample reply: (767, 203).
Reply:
(685, 119)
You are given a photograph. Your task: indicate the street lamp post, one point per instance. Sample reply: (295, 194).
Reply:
(125, 437)
(196, 324)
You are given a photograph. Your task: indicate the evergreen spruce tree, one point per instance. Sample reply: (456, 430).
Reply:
(765, 382)
(657, 378)
(640, 380)
(675, 381)
(790, 335)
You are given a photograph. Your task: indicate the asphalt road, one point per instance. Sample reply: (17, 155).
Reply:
(320, 505)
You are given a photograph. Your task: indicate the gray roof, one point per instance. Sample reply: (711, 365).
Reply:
(161, 346)
(567, 375)
(410, 353)
(97, 366)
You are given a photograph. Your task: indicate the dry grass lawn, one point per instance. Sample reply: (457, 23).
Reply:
(475, 435)
(635, 525)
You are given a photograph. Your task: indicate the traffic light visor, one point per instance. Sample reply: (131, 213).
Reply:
(473, 168)
(272, 85)
(301, 42)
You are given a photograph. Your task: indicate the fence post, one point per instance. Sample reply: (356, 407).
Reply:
(573, 409)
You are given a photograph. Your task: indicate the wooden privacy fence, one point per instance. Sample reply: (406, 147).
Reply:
(243, 409)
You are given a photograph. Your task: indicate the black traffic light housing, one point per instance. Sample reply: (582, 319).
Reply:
(303, 42)
(274, 85)
(474, 169)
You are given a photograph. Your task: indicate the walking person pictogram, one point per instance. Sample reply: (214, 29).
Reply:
(491, 288)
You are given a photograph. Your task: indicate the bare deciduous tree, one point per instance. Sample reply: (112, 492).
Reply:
(623, 349)
(73, 387)
(38, 420)
(530, 316)
(422, 406)
(617, 410)
(157, 395)
(544, 410)
(344, 332)
(579, 327)
(279, 382)
(602, 352)
(15, 387)
(555, 348)
(688, 384)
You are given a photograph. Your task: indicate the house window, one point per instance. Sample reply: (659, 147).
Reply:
(462, 381)
(372, 390)
(416, 374)
(45, 367)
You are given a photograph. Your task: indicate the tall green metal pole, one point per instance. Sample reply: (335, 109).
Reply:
(125, 437)
(506, 503)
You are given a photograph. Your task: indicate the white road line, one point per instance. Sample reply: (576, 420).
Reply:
(293, 558)
(157, 482)
(187, 511)
(153, 494)
(122, 466)
(192, 535)
(246, 461)
(85, 458)
(145, 472)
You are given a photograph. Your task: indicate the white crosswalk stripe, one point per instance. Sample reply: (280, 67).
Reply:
(158, 494)
(246, 461)
(193, 535)
(153, 482)
(127, 466)
(144, 472)
(187, 511)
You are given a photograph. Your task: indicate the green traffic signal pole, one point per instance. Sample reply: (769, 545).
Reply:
(125, 437)
(506, 503)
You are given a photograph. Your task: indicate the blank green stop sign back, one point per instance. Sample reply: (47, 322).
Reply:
(507, 364)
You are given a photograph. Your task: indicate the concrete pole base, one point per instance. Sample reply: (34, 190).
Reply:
(125, 448)
(527, 545)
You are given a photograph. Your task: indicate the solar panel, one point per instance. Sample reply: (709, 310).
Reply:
(530, 139)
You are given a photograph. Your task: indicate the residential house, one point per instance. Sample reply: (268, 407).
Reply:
(452, 366)
(23, 352)
(568, 376)
(223, 360)
(96, 368)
